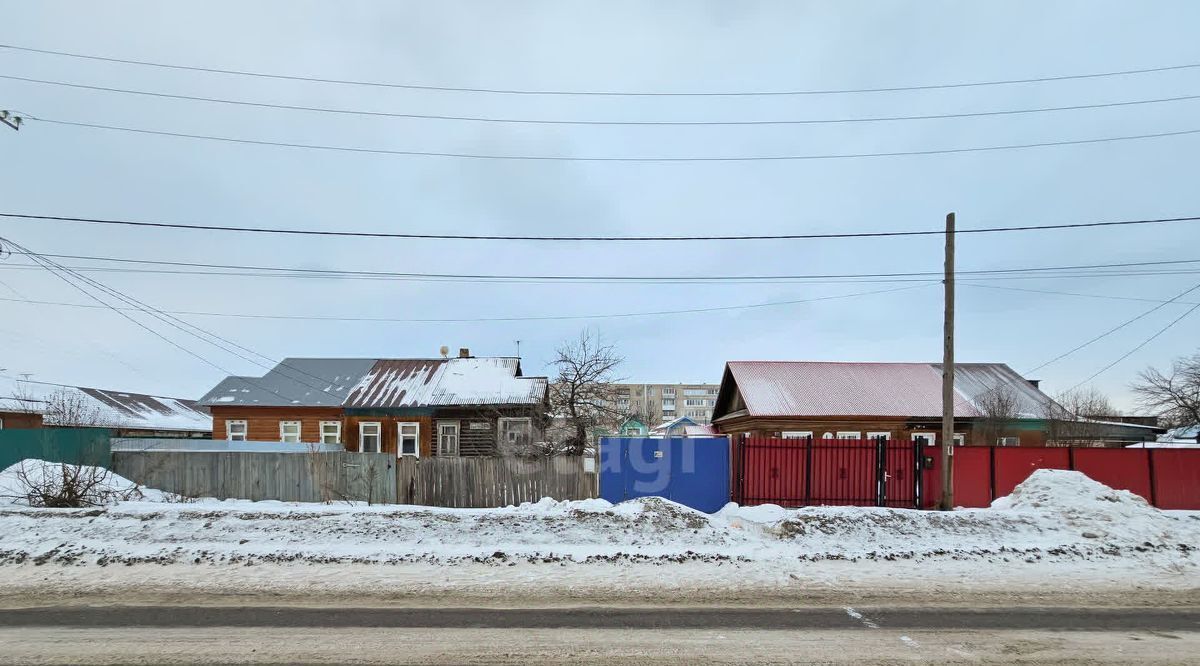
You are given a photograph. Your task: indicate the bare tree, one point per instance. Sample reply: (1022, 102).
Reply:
(1175, 396)
(70, 408)
(1071, 417)
(583, 396)
(63, 486)
(1000, 408)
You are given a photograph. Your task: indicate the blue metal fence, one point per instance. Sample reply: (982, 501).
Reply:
(693, 471)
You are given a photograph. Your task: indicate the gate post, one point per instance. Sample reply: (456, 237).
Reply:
(808, 474)
(880, 472)
(739, 473)
(919, 491)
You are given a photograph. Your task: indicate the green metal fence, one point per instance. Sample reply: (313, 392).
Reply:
(77, 446)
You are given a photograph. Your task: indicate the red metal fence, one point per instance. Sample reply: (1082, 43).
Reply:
(804, 472)
(897, 473)
(1167, 478)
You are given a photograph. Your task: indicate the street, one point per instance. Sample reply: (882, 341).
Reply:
(306, 634)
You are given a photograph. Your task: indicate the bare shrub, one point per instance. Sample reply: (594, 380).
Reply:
(64, 486)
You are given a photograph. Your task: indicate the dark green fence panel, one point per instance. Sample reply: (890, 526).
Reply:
(77, 446)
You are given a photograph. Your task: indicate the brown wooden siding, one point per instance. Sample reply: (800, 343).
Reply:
(262, 423)
(13, 420)
(390, 430)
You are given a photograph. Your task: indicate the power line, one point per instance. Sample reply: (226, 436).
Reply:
(551, 121)
(1110, 331)
(1143, 343)
(606, 278)
(622, 315)
(1070, 293)
(637, 159)
(608, 93)
(381, 234)
(191, 329)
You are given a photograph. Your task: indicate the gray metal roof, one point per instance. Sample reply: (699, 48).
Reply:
(312, 382)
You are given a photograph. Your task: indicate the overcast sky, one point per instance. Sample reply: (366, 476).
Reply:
(607, 46)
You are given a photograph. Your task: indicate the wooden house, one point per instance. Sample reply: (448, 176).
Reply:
(463, 406)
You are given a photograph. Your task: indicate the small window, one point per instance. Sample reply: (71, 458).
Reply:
(796, 434)
(876, 436)
(960, 439)
(827, 435)
(926, 438)
(331, 432)
(289, 431)
(409, 439)
(516, 432)
(368, 437)
(235, 431)
(1008, 441)
(448, 438)
(849, 434)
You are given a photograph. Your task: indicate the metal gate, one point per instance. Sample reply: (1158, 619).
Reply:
(838, 472)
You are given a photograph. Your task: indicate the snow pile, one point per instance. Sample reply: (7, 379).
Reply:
(32, 482)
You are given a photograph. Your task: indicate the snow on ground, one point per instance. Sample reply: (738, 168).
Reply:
(31, 476)
(1058, 530)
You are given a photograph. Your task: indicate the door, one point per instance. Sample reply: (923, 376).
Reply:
(447, 438)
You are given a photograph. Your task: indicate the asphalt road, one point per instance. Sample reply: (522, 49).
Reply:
(642, 635)
(864, 618)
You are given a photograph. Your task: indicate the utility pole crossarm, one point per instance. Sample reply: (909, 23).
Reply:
(11, 119)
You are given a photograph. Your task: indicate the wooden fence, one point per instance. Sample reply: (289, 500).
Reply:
(491, 482)
(288, 477)
(369, 477)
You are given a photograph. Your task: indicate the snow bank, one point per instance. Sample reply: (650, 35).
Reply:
(20, 480)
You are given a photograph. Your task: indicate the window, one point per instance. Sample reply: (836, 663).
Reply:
(409, 440)
(331, 432)
(289, 431)
(849, 434)
(926, 438)
(960, 439)
(447, 438)
(369, 437)
(669, 412)
(797, 434)
(694, 402)
(873, 436)
(695, 391)
(516, 432)
(668, 403)
(1008, 441)
(827, 435)
(235, 431)
(669, 391)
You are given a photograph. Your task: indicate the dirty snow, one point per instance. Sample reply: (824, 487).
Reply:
(1059, 530)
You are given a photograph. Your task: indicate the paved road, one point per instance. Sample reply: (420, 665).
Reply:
(870, 635)
(1049, 619)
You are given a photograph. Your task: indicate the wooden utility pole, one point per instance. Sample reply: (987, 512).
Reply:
(948, 373)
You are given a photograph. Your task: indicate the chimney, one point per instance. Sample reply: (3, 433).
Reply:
(1035, 383)
(463, 352)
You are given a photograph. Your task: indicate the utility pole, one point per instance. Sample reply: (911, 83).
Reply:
(948, 373)
(11, 119)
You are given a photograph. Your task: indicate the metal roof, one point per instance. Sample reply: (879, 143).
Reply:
(103, 407)
(311, 382)
(811, 388)
(383, 383)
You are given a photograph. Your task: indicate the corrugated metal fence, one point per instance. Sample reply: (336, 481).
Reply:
(367, 477)
(75, 446)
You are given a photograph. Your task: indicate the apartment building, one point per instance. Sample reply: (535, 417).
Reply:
(662, 402)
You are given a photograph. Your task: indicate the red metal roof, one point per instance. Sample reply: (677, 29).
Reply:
(813, 388)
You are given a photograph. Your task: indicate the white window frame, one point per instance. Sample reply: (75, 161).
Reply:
(441, 451)
(229, 435)
(931, 436)
(283, 437)
(337, 434)
(879, 434)
(1016, 440)
(362, 426)
(828, 435)
(849, 434)
(415, 435)
(960, 439)
(796, 434)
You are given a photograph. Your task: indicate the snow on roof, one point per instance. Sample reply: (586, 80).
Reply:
(104, 407)
(813, 388)
(384, 383)
(311, 382)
